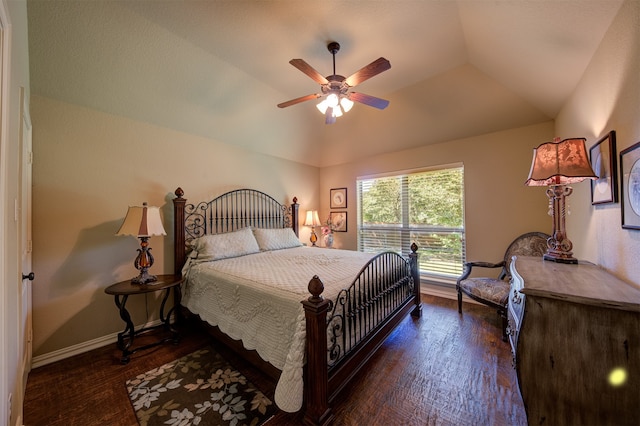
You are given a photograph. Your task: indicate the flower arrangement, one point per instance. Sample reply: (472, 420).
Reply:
(327, 232)
(328, 227)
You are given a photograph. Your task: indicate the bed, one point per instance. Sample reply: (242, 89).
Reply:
(309, 317)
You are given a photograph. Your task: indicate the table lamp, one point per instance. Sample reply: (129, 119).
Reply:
(312, 220)
(143, 222)
(558, 164)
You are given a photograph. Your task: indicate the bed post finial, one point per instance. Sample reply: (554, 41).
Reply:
(179, 253)
(316, 287)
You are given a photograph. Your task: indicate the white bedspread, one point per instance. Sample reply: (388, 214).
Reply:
(256, 298)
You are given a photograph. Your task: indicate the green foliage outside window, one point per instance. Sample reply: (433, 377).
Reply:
(426, 208)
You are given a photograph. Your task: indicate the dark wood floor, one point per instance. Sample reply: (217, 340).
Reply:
(441, 369)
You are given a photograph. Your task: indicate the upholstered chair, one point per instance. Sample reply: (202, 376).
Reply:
(494, 292)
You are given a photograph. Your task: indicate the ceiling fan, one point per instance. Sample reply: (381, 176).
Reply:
(335, 88)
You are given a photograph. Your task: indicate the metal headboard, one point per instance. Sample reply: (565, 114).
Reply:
(228, 212)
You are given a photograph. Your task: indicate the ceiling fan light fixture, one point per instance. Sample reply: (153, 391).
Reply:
(332, 100)
(339, 105)
(322, 106)
(346, 104)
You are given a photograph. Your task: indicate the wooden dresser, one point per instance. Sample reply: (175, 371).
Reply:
(575, 329)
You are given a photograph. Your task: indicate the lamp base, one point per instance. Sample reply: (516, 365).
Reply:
(144, 278)
(143, 262)
(560, 258)
(559, 245)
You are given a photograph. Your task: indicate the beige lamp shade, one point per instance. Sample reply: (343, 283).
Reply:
(560, 163)
(142, 221)
(312, 218)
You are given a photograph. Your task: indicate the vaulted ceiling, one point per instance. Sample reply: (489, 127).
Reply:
(218, 68)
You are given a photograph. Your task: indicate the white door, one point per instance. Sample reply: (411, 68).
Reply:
(25, 244)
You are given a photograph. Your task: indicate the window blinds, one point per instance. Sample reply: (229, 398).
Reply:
(423, 207)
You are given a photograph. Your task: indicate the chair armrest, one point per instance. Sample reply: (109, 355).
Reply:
(468, 266)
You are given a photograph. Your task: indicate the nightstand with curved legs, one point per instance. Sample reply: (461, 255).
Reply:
(122, 290)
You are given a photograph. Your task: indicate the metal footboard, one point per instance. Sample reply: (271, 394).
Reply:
(383, 286)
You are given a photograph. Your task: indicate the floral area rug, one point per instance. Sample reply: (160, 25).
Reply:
(201, 388)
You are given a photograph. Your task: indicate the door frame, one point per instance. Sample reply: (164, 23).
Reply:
(7, 270)
(25, 332)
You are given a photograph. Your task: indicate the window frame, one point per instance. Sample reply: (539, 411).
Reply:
(436, 274)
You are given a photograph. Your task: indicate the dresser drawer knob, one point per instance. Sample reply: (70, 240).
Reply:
(517, 299)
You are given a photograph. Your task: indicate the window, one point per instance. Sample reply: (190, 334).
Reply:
(425, 207)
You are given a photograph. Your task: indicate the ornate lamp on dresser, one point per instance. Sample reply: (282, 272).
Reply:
(575, 335)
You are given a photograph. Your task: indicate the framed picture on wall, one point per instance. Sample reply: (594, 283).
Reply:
(603, 162)
(338, 198)
(630, 177)
(338, 221)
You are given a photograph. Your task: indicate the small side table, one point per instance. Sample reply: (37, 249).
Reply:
(123, 290)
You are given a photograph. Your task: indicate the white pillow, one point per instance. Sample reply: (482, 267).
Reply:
(276, 239)
(223, 246)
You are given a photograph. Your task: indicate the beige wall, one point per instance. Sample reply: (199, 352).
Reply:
(89, 168)
(498, 206)
(607, 98)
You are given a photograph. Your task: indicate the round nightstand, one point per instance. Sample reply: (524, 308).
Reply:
(122, 290)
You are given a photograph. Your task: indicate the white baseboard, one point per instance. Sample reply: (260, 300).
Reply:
(439, 291)
(80, 348)
(60, 354)
(444, 291)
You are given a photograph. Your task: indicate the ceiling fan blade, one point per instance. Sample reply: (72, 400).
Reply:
(369, 100)
(371, 70)
(329, 118)
(309, 70)
(298, 100)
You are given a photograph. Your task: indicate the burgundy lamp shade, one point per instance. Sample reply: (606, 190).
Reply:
(560, 163)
